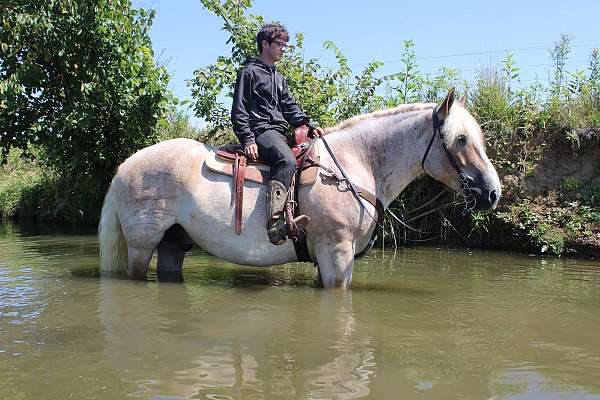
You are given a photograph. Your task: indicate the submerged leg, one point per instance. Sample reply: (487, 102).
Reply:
(171, 252)
(335, 260)
(138, 261)
(319, 278)
(170, 261)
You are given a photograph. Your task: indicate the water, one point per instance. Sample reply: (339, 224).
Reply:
(422, 323)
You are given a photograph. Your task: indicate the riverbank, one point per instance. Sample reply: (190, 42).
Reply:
(551, 207)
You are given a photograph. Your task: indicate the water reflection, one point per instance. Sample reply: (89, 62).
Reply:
(257, 348)
(433, 323)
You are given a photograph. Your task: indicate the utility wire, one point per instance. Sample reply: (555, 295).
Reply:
(482, 52)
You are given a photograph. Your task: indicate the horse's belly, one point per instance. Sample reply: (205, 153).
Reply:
(208, 217)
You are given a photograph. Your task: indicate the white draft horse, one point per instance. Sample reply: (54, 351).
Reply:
(164, 198)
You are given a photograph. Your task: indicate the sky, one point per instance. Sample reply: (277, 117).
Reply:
(467, 35)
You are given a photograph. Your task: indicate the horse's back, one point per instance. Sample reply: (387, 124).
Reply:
(167, 155)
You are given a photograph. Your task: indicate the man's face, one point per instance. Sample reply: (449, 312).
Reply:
(275, 49)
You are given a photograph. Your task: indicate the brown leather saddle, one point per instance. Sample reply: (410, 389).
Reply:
(231, 160)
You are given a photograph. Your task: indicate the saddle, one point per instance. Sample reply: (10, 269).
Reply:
(231, 160)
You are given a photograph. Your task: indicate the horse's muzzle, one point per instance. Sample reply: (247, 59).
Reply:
(486, 193)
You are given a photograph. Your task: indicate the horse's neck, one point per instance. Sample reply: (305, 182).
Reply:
(385, 153)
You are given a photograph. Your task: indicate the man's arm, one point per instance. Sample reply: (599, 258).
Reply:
(239, 112)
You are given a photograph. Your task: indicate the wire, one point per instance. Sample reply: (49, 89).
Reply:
(482, 52)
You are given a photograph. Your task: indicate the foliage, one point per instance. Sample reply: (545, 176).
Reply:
(559, 54)
(591, 197)
(177, 125)
(327, 95)
(79, 88)
(29, 191)
(403, 86)
(410, 85)
(550, 226)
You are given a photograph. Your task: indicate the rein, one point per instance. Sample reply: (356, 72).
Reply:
(358, 192)
(466, 192)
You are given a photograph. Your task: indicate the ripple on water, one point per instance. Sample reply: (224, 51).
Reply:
(441, 323)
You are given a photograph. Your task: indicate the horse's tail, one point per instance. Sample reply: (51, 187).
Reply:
(113, 247)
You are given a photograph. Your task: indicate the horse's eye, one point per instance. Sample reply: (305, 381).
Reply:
(462, 140)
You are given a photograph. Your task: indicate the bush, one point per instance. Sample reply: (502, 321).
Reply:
(79, 87)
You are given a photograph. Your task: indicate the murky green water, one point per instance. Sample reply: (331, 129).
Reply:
(420, 323)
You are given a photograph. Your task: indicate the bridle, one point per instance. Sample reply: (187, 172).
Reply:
(466, 192)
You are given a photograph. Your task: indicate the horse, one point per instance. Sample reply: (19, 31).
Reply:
(164, 198)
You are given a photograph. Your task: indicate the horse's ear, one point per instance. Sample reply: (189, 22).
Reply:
(444, 109)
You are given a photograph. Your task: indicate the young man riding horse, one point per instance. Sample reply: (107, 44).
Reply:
(261, 114)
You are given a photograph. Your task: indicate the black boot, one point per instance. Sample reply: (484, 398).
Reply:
(277, 230)
(276, 196)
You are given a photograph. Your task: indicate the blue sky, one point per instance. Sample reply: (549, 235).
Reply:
(466, 35)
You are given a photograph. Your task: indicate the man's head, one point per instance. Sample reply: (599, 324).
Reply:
(271, 41)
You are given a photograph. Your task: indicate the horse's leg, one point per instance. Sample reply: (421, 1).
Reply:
(335, 257)
(319, 279)
(138, 259)
(171, 252)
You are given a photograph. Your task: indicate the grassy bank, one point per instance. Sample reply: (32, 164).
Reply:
(28, 191)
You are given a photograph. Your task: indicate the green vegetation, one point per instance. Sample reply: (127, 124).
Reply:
(70, 115)
(80, 91)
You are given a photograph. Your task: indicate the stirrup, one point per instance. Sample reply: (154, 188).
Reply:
(277, 232)
(301, 221)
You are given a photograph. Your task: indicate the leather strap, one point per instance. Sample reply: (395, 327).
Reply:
(300, 244)
(379, 208)
(239, 169)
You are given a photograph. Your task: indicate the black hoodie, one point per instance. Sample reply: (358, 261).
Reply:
(262, 101)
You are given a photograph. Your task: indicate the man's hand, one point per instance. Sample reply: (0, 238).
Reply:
(318, 131)
(252, 151)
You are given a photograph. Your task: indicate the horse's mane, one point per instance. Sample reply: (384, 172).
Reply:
(459, 120)
(404, 108)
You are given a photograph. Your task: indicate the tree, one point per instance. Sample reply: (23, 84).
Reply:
(78, 85)
(328, 95)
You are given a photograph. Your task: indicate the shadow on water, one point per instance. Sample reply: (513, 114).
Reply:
(389, 288)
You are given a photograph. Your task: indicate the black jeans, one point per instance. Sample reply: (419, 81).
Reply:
(273, 148)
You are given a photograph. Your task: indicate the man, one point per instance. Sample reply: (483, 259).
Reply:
(262, 109)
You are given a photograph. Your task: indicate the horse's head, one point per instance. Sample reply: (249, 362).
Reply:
(456, 156)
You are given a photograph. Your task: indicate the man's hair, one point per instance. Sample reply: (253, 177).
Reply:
(271, 32)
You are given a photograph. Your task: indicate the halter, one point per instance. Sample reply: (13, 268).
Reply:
(466, 192)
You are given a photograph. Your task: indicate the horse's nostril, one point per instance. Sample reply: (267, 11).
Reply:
(493, 196)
